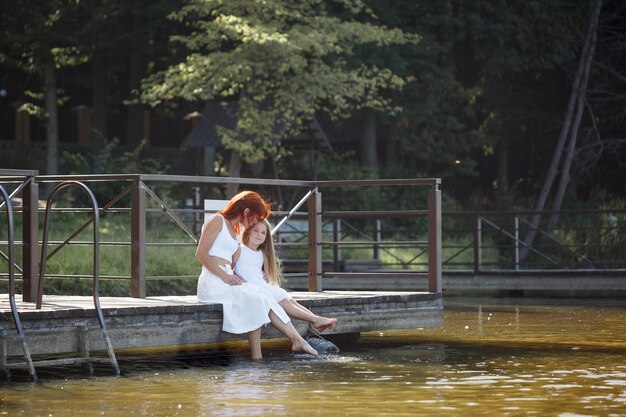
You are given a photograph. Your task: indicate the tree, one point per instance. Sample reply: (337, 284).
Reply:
(283, 61)
(600, 160)
(569, 129)
(37, 37)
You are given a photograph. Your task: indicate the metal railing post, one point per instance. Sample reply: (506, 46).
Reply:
(336, 248)
(516, 254)
(315, 241)
(30, 250)
(434, 239)
(138, 240)
(477, 244)
(377, 238)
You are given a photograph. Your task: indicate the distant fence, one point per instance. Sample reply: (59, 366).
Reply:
(477, 241)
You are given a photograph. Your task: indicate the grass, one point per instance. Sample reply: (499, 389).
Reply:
(177, 261)
(115, 261)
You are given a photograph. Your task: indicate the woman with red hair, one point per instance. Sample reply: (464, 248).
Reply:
(245, 310)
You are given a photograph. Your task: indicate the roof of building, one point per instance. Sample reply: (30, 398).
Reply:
(204, 133)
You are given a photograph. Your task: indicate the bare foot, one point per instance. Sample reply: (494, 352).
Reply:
(304, 347)
(324, 323)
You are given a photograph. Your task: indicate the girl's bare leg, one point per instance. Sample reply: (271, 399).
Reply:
(254, 340)
(298, 344)
(300, 312)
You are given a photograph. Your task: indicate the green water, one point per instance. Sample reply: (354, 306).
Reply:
(492, 357)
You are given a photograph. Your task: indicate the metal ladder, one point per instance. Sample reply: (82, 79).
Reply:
(83, 343)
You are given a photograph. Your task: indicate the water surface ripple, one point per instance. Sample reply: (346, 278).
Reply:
(492, 357)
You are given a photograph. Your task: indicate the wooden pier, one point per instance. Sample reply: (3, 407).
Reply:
(78, 325)
(62, 323)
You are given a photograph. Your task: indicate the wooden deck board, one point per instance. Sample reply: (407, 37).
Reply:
(177, 320)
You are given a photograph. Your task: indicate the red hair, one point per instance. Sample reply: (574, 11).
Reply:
(256, 205)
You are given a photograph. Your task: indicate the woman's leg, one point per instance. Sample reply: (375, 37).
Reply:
(298, 344)
(300, 312)
(254, 340)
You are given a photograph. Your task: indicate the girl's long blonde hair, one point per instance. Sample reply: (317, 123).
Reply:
(271, 262)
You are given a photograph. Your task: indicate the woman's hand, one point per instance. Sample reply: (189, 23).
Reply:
(233, 280)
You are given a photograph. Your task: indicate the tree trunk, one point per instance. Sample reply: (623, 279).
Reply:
(391, 147)
(52, 121)
(134, 127)
(564, 180)
(502, 153)
(234, 170)
(369, 156)
(99, 99)
(565, 129)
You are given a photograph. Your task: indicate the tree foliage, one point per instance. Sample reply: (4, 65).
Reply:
(451, 83)
(283, 61)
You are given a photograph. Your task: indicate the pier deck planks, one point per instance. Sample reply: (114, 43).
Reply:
(179, 320)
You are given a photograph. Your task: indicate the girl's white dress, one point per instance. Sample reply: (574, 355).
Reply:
(249, 266)
(244, 308)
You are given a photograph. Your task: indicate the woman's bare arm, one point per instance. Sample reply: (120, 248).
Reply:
(210, 230)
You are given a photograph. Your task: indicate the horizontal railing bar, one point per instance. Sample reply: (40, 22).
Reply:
(85, 210)
(377, 243)
(375, 274)
(18, 175)
(87, 243)
(226, 180)
(90, 277)
(175, 244)
(112, 244)
(291, 244)
(17, 244)
(513, 212)
(168, 277)
(88, 178)
(396, 181)
(20, 172)
(177, 178)
(381, 213)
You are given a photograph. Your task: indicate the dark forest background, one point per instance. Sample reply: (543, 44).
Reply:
(509, 102)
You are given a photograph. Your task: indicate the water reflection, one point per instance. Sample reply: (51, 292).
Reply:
(492, 357)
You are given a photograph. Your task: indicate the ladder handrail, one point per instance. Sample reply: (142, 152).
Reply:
(96, 259)
(14, 311)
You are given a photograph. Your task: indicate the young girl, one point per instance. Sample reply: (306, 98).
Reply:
(245, 310)
(256, 262)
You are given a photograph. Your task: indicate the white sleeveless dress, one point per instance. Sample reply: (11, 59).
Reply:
(244, 308)
(249, 266)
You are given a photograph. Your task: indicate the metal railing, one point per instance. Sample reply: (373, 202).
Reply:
(134, 195)
(583, 239)
(475, 241)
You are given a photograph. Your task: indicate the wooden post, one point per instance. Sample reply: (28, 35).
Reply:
(138, 241)
(22, 125)
(84, 125)
(83, 348)
(315, 241)
(434, 239)
(30, 249)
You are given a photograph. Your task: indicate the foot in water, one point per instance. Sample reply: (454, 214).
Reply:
(324, 323)
(303, 347)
